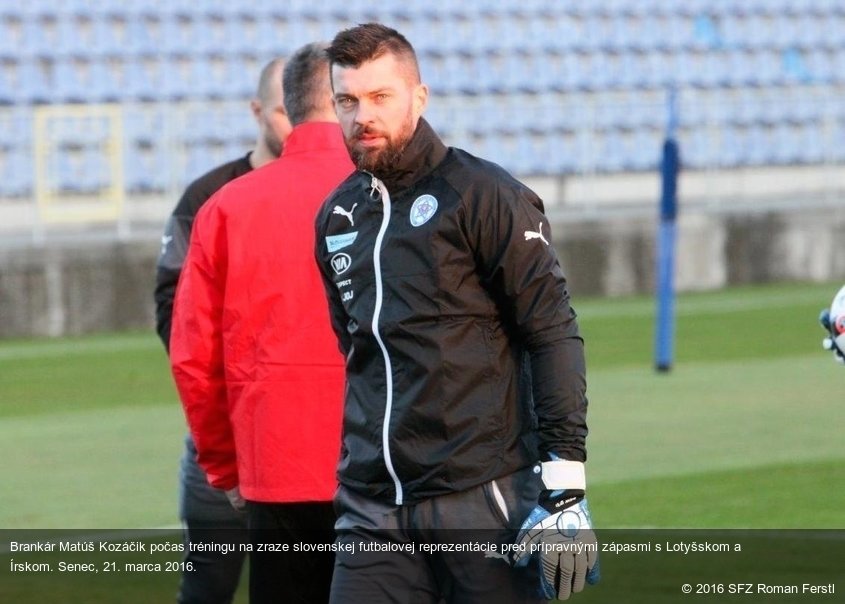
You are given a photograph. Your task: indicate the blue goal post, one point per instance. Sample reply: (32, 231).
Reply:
(664, 333)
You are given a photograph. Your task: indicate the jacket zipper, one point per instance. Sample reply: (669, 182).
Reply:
(388, 368)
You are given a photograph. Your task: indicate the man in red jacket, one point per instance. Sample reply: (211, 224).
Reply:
(252, 352)
(209, 576)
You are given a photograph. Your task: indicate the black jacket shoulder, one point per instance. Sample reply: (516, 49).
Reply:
(202, 188)
(467, 173)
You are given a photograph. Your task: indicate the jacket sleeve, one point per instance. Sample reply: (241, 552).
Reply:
(518, 265)
(174, 247)
(337, 314)
(196, 347)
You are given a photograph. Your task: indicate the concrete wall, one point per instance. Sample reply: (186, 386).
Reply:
(77, 288)
(74, 288)
(616, 256)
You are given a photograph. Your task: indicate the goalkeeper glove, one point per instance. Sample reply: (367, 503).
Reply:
(830, 342)
(560, 532)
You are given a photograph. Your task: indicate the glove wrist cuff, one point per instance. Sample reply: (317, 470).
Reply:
(564, 475)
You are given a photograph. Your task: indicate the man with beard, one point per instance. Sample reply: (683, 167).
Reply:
(205, 512)
(465, 414)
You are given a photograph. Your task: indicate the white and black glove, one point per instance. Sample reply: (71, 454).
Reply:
(560, 532)
(835, 340)
(833, 322)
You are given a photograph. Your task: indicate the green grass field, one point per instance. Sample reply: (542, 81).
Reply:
(745, 432)
(91, 431)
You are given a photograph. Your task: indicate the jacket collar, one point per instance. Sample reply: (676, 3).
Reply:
(424, 152)
(311, 136)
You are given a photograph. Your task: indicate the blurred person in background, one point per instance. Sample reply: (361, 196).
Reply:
(252, 351)
(203, 509)
(466, 392)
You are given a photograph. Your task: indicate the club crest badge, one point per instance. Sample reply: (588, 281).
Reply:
(423, 209)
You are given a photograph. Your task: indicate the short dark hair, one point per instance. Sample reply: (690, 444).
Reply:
(306, 82)
(354, 46)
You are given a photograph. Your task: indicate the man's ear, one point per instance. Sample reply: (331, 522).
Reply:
(420, 99)
(255, 107)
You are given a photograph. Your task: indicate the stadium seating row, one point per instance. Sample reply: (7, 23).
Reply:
(71, 80)
(161, 164)
(542, 87)
(418, 8)
(549, 27)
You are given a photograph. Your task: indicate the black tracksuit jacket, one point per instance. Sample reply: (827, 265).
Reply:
(464, 360)
(177, 235)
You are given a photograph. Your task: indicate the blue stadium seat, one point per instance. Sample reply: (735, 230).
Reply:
(15, 128)
(611, 150)
(839, 65)
(209, 35)
(67, 170)
(209, 78)
(793, 67)
(179, 9)
(820, 66)
(11, 11)
(143, 78)
(122, 8)
(12, 32)
(831, 32)
(270, 37)
(9, 76)
(465, 74)
(759, 149)
(784, 146)
(147, 169)
(201, 158)
(812, 143)
(34, 85)
(706, 32)
(37, 9)
(72, 81)
(694, 145)
(16, 176)
(71, 36)
(243, 76)
(224, 9)
(661, 70)
(41, 33)
(573, 74)
(177, 74)
(181, 35)
(112, 35)
(145, 36)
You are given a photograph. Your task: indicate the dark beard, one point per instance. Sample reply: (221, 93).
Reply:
(383, 162)
(379, 162)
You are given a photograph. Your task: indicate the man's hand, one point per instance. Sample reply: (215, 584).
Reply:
(559, 530)
(234, 497)
(830, 342)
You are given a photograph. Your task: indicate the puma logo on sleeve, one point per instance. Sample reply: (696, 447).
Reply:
(538, 234)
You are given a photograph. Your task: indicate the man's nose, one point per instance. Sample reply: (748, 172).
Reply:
(365, 114)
